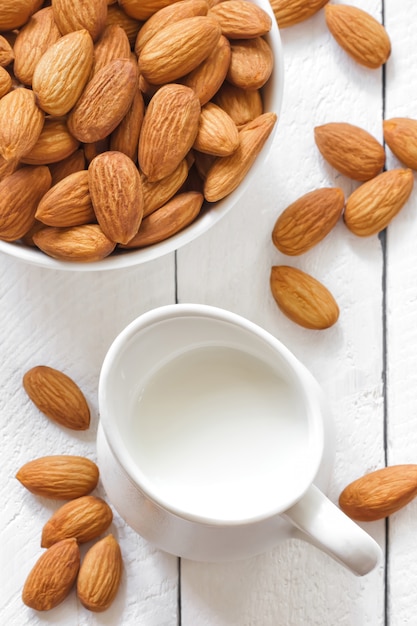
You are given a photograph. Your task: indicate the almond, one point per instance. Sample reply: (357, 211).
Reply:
(228, 172)
(63, 477)
(73, 15)
(32, 41)
(207, 78)
(57, 396)
(6, 52)
(116, 193)
(242, 105)
(167, 15)
(290, 12)
(251, 63)
(305, 222)
(82, 244)
(7, 167)
(20, 194)
(5, 82)
(113, 44)
(21, 123)
(400, 134)
(84, 519)
(142, 9)
(380, 493)
(169, 130)
(75, 162)
(302, 298)
(125, 137)
(217, 132)
(372, 206)
(91, 150)
(54, 144)
(351, 150)
(359, 34)
(68, 203)
(178, 48)
(100, 575)
(14, 13)
(240, 19)
(131, 26)
(62, 72)
(158, 193)
(168, 220)
(53, 576)
(104, 102)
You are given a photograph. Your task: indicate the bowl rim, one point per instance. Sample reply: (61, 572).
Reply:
(205, 221)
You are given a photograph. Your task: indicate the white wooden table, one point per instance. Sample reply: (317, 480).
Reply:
(366, 364)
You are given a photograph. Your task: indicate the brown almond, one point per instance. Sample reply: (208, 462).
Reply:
(371, 207)
(62, 72)
(168, 220)
(54, 144)
(100, 575)
(67, 203)
(142, 9)
(71, 15)
(217, 133)
(302, 298)
(178, 48)
(156, 194)
(84, 519)
(291, 12)
(63, 477)
(36, 36)
(20, 193)
(380, 493)
(125, 137)
(5, 82)
(207, 78)
(242, 105)
(228, 172)
(57, 396)
(75, 162)
(112, 44)
(116, 193)
(169, 130)
(308, 220)
(240, 19)
(351, 150)
(131, 26)
(400, 134)
(21, 123)
(6, 52)
(360, 35)
(82, 244)
(15, 13)
(104, 102)
(53, 576)
(251, 63)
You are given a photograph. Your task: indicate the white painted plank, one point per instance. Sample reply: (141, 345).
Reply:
(295, 585)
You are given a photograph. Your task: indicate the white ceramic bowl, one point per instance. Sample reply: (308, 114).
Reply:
(272, 98)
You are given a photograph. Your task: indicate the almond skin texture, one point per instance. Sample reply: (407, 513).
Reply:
(158, 193)
(359, 34)
(83, 244)
(228, 172)
(400, 134)
(251, 63)
(6, 52)
(62, 72)
(57, 396)
(5, 82)
(52, 577)
(125, 137)
(142, 9)
(68, 203)
(380, 493)
(305, 222)
(178, 48)
(104, 102)
(290, 12)
(63, 477)
(217, 132)
(20, 193)
(240, 19)
(169, 130)
(21, 123)
(14, 13)
(350, 150)
(100, 575)
(302, 298)
(372, 206)
(54, 143)
(73, 15)
(116, 193)
(113, 44)
(71, 164)
(242, 105)
(84, 519)
(32, 41)
(168, 220)
(208, 77)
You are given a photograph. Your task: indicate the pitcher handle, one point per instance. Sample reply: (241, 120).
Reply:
(328, 528)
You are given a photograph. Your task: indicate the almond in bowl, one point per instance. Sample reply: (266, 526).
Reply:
(171, 121)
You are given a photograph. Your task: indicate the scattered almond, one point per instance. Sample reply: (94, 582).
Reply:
(100, 575)
(62, 477)
(350, 149)
(380, 493)
(57, 396)
(400, 134)
(371, 207)
(53, 576)
(302, 298)
(305, 222)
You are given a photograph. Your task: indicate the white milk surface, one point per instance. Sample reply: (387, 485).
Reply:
(219, 434)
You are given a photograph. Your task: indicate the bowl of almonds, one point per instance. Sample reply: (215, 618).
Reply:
(129, 129)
